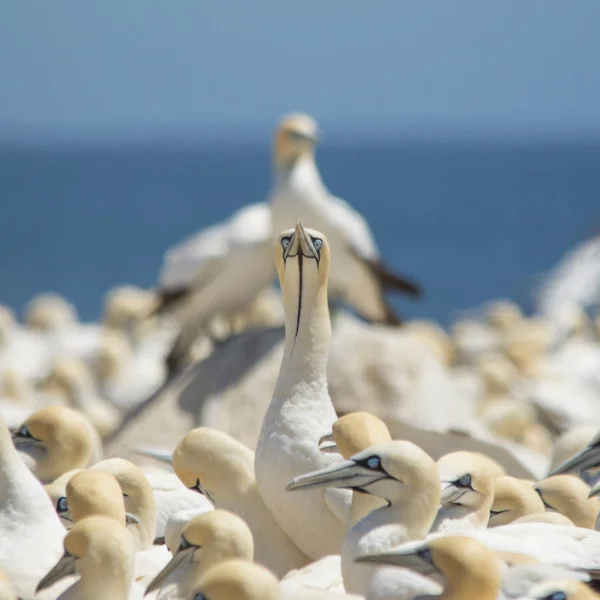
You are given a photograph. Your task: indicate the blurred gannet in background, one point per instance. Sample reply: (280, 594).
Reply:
(126, 307)
(7, 591)
(407, 479)
(237, 580)
(568, 495)
(358, 275)
(72, 380)
(469, 569)
(102, 552)
(57, 439)
(216, 272)
(513, 499)
(18, 399)
(206, 541)
(216, 465)
(30, 530)
(301, 411)
(573, 284)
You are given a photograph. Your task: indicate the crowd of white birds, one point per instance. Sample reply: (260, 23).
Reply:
(328, 506)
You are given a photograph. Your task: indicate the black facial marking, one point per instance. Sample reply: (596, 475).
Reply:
(300, 269)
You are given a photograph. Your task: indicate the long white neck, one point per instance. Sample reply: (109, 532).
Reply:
(300, 176)
(460, 518)
(306, 349)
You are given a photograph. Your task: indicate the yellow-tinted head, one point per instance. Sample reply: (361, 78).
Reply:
(357, 431)
(568, 495)
(237, 580)
(92, 493)
(296, 136)
(302, 258)
(513, 499)
(54, 440)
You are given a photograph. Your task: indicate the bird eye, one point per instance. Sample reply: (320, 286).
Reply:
(62, 505)
(556, 596)
(464, 481)
(425, 554)
(318, 244)
(285, 242)
(374, 462)
(184, 543)
(24, 432)
(199, 596)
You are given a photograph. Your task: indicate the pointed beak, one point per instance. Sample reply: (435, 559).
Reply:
(64, 567)
(201, 490)
(180, 557)
(131, 519)
(345, 474)
(327, 443)
(595, 491)
(406, 556)
(305, 242)
(588, 458)
(451, 493)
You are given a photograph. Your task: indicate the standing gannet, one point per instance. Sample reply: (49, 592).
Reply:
(102, 552)
(236, 580)
(565, 589)
(222, 469)
(358, 275)
(568, 495)
(467, 491)
(30, 530)
(513, 499)
(216, 272)
(401, 474)
(301, 410)
(57, 439)
(470, 571)
(205, 541)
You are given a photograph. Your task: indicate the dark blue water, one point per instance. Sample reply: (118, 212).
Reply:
(470, 221)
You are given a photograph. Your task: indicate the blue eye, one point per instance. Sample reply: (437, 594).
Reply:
(374, 462)
(556, 596)
(318, 244)
(285, 242)
(464, 481)
(62, 505)
(184, 544)
(199, 596)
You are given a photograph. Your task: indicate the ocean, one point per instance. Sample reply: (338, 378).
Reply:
(471, 221)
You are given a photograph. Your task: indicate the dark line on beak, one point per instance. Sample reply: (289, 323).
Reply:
(300, 267)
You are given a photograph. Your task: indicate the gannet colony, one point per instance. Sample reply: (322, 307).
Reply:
(216, 438)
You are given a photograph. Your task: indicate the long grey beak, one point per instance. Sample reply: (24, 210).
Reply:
(595, 491)
(404, 556)
(345, 474)
(588, 458)
(327, 443)
(451, 493)
(64, 567)
(180, 557)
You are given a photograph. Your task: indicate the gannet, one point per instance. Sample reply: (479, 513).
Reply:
(7, 591)
(358, 275)
(57, 439)
(221, 468)
(587, 458)
(71, 380)
(405, 477)
(301, 411)
(513, 499)
(139, 499)
(57, 491)
(94, 492)
(237, 580)
(569, 496)
(469, 569)
(30, 530)
(217, 271)
(564, 589)
(125, 307)
(205, 541)
(102, 551)
(467, 482)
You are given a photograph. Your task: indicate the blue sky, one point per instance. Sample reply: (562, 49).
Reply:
(139, 67)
